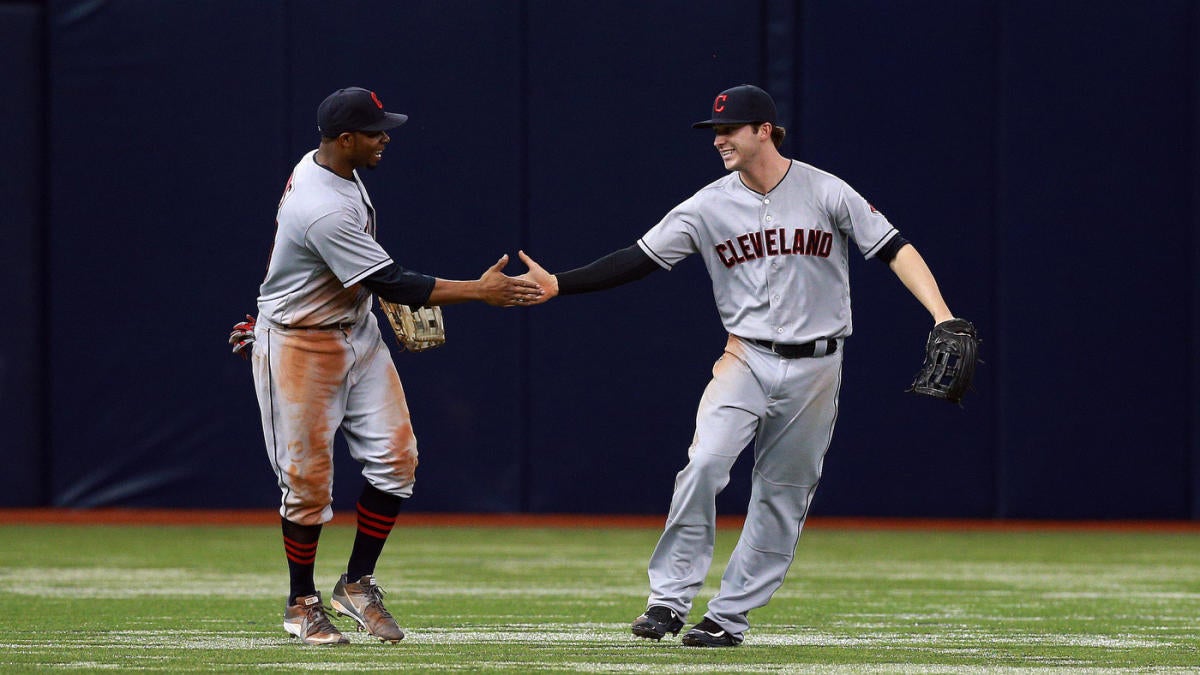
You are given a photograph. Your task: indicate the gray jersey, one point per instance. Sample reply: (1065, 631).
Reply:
(324, 246)
(778, 262)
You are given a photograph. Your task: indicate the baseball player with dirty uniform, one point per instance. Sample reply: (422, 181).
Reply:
(320, 364)
(775, 235)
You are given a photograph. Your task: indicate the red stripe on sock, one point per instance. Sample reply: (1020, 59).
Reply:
(376, 519)
(373, 532)
(301, 554)
(374, 525)
(299, 547)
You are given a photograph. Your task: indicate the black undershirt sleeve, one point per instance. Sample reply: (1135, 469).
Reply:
(890, 249)
(405, 287)
(614, 269)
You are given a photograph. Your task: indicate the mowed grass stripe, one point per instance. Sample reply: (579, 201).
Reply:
(560, 600)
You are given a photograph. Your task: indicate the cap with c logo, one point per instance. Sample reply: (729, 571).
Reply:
(354, 109)
(743, 104)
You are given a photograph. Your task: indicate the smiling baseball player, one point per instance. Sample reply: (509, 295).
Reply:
(775, 235)
(320, 364)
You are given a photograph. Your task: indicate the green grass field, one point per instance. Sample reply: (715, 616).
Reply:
(176, 598)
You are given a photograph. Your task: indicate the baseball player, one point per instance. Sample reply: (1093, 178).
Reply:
(320, 364)
(775, 237)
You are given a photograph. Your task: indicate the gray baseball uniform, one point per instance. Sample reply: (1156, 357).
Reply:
(319, 361)
(780, 274)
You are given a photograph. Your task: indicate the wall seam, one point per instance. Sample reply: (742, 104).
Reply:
(1192, 456)
(1001, 506)
(289, 92)
(44, 442)
(524, 326)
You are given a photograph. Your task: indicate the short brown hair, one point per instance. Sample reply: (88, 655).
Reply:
(777, 133)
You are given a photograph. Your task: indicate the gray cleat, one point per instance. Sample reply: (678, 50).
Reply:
(307, 620)
(362, 601)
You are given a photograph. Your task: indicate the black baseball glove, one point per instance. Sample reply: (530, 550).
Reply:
(950, 355)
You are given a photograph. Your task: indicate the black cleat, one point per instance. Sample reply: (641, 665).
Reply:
(657, 622)
(708, 634)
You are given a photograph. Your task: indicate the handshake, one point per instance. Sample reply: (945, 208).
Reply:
(533, 287)
(423, 328)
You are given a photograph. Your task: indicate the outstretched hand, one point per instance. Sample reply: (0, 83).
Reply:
(501, 290)
(537, 274)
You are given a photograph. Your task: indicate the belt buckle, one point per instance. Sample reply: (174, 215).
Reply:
(774, 347)
(770, 344)
(821, 347)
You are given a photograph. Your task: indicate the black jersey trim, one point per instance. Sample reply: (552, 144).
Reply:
(287, 487)
(882, 241)
(791, 163)
(314, 159)
(654, 256)
(366, 273)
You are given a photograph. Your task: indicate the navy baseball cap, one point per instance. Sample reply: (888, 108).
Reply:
(354, 109)
(744, 104)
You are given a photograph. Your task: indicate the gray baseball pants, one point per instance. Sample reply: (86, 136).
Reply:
(789, 407)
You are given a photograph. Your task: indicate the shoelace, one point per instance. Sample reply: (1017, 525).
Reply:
(375, 598)
(318, 618)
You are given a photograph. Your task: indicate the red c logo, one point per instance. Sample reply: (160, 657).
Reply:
(719, 104)
(378, 103)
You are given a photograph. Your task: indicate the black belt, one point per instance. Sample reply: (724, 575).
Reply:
(344, 325)
(798, 351)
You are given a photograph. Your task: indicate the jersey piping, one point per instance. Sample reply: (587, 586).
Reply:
(654, 256)
(366, 273)
(881, 243)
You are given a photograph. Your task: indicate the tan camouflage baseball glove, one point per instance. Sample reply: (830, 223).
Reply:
(416, 330)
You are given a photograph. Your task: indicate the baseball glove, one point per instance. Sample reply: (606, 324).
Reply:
(242, 337)
(416, 330)
(950, 355)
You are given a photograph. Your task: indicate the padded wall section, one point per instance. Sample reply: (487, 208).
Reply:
(193, 123)
(21, 346)
(616, 376)
(1043, 158)
(166, 130)
(1194, 210)
(899, 100)
(448, 194)
(1094, 222)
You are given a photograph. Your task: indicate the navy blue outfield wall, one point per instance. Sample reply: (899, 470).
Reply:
(1043, 157)
(22, 380)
